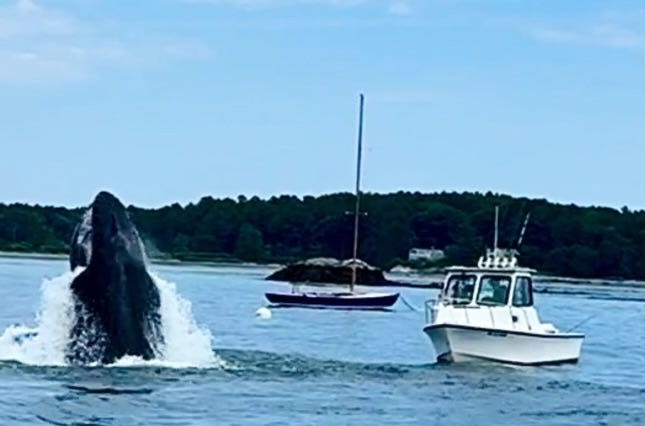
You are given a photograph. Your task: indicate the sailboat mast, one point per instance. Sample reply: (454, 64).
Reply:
(358, 191)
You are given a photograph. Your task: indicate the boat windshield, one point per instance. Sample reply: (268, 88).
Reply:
(523, 293)
(459, 289)
(493, 290)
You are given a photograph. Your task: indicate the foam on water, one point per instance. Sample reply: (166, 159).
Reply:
(185, 343)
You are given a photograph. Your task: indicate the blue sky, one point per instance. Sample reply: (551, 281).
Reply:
(171, 100)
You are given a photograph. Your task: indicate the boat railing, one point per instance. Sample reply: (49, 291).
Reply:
(430, 312)
(498, 259)
(428, 307)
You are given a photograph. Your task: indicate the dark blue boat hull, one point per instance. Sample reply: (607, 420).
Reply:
(333, 300)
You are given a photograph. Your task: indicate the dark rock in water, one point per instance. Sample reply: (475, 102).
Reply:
(329, 270)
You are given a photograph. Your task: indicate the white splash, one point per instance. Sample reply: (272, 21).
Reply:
(44, 344)
(185, 343)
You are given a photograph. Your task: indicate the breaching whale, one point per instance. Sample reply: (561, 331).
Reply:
(116, 302)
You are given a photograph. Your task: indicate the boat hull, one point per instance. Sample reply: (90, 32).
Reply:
(334, 300)
(457, 343)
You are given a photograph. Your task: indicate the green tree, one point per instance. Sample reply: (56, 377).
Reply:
(560, 239)
(249, 245)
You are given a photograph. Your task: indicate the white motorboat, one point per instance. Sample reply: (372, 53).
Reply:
(487, 313)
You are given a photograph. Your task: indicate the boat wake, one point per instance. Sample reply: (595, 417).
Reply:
(186, 344)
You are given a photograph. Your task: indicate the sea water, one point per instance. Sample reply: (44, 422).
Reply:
(223, 364)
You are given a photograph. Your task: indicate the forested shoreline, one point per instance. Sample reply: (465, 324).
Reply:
(565, 240)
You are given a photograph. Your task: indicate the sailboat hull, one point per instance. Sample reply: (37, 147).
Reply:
(334, 300)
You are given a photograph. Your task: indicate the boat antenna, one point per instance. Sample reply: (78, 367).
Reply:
(526, 222)
(496, 229)
(358, 190)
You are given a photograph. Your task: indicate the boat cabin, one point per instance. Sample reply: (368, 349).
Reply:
(488, 287)
(497, 293)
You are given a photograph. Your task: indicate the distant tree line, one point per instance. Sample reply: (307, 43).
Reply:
(560, 239)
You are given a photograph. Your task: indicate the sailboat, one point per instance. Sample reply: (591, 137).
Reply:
(344, 299)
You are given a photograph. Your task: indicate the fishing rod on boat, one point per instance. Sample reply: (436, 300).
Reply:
(526, 222)
(584, 321)
(592, 316)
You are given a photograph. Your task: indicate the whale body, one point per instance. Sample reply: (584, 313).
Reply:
(116, 302)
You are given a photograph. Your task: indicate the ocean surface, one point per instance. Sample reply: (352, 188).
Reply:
(225, 365)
